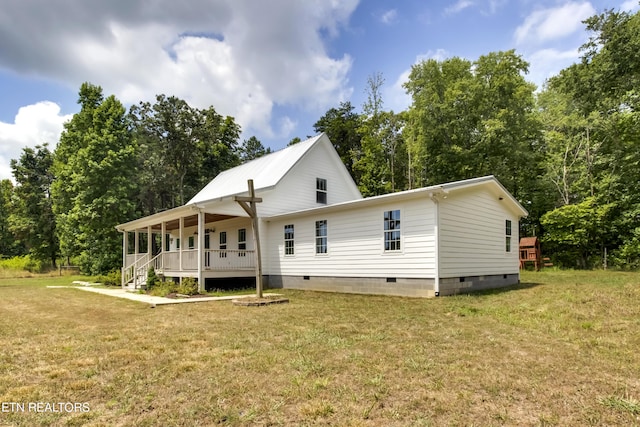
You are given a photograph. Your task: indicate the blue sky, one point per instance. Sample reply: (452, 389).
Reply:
(276, 66)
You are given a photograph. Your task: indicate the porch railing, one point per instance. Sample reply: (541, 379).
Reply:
(228, 259)
(166, 262)
(136, 273)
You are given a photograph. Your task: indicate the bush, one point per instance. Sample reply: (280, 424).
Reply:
(162, 289)
(152, 278)
(189, 286)
(110, 279)
(22, 263)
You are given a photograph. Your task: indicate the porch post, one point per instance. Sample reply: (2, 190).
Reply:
(136, 246)
(201, 220)
(181, 242)
(125, 247)
(149, 246)
(163, 230)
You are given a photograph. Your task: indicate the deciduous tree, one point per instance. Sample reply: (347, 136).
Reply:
(32, 219)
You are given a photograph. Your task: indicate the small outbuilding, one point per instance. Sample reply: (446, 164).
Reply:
(530, 252)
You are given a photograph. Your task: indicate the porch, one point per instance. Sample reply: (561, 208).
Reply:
(180, 243)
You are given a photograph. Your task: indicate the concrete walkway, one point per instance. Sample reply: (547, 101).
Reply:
(152, 300)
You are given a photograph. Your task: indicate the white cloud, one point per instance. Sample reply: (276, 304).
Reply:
(630, 5)
(554, 23)
(33, 125)
(287, 125)
(459, 6)
(546, 63)
(389, 17)
(241, 57)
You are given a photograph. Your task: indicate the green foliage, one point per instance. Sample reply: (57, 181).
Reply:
(181, 149)
(252, 148)
(341, 126)
(94, 190)
(113, 278)
(471, 119)
(189, 286)
(162, 289)
(10, 245)
(32, 220)
(152, 279)
(575, 234)
(22, 263)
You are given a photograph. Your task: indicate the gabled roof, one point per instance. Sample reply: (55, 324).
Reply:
(434, 190)
(266, 172)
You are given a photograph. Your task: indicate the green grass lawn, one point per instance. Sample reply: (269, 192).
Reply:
(562, 348)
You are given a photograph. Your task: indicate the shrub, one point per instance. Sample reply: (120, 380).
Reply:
(189, 286)
(111, 279)
(23, 263)
(152, 278)
(162, 289)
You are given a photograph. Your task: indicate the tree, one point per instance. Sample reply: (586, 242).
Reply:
(252, 148)
(294, 141)
(32, 219)
(372, 167)
(576, 233)
(181, 149)
(9, 244)
(341, 126)
(470, 119)
(95, 188)
(604, 130)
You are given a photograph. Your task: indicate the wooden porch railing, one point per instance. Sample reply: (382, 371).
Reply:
(167, 262)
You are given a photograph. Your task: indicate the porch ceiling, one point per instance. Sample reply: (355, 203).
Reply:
(191, 221)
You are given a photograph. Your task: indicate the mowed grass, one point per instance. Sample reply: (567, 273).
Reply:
(562, 348)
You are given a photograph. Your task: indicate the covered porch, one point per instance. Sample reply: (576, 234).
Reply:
(187, 242)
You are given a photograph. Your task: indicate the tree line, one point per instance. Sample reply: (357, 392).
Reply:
(568, 152)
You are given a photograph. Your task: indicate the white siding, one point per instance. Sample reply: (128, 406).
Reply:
(355, 243)
(472, 235)
(297, 190)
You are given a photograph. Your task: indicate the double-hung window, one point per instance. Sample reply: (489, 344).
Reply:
(321, 191)
(223, 244)
(242, 241)
(321, 237)
(392, 230)
(507, 233)
(288, 239)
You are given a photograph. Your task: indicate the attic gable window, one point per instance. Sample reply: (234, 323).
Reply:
(321, 191)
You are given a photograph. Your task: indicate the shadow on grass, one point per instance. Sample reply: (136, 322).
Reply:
(497, 291)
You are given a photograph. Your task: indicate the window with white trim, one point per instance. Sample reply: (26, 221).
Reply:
(507, 232)
(321, 191)
(223, 244)
(192, 242)
(321, 237)
(392, 230)
(242, 241)
(289, 239)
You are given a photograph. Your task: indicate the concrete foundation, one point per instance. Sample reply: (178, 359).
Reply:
(395, 286)
(462, 285)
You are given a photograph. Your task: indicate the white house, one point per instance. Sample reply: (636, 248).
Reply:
(317, 232)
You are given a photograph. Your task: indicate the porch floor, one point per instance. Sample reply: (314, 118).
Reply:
(152, 300)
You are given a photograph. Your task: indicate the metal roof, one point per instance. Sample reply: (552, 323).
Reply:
(266, 172)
